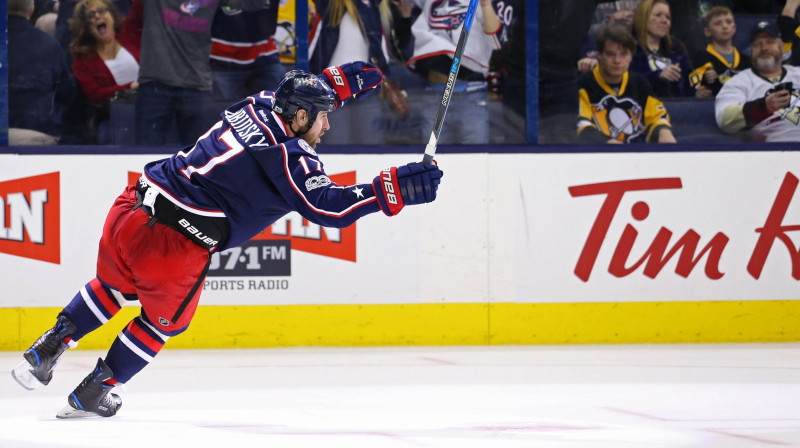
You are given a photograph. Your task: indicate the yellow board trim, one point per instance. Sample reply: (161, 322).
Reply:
(446, 324)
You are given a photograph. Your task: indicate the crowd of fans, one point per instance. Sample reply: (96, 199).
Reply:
(626, 70)
(74, 62)
(638, 60)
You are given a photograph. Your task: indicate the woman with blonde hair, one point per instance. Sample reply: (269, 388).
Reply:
(660, 56)
(105, 48)
(354, 30)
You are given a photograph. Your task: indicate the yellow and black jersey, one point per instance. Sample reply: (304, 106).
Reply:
(633, 114)
(790, 31)
(712, 59)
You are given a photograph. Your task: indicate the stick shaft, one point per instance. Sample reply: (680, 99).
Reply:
(430, 148)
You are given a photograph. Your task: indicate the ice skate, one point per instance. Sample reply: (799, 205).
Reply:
(92, 397)
(43, 356)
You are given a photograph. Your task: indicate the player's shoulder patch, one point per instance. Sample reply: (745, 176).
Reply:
(306, 147)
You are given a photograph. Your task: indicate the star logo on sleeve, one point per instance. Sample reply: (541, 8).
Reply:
(359, 192)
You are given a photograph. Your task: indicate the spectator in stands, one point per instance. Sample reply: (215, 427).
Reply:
(285, 34)
(351, 30)
(80, 120)
(689, 27)
(65, 12)
(105, 49)
(244, 56)
(105, 58)
(789, 27)
(721, 60)
(605, 12)
(44, 15)
(763, 99)
(42, 8)
(400, 38)
(436, 33)
(616, 105)
(399, 29)
(343, 27)
(659, 56)
(40, 87)
(621, 17)
(174, 71)
(564, 25)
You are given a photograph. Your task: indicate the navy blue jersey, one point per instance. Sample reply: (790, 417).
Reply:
(248, 170)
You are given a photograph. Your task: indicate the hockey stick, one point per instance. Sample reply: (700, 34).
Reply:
(430, 148)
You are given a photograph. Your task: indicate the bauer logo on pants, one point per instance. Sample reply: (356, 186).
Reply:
(30, 217)
(306, 236)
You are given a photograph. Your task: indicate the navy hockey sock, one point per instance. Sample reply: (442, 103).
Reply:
(92, 307)
(134, 348)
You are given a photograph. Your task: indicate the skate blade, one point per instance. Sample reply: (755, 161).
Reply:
(70, 412)
(22, 373)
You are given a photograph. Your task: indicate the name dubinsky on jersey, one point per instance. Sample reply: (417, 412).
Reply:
(248, 169)
(630, 114)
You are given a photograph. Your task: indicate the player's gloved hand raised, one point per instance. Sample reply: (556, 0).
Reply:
(411, 184)
(353, 80)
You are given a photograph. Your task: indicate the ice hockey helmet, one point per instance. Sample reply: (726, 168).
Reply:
(303, 90)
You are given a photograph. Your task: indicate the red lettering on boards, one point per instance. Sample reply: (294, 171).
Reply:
(774, 229)
(659, 252)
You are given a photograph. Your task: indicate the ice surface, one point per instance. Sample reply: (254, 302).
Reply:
(642, 396)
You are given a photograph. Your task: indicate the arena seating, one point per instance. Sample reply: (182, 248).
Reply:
(693, 121)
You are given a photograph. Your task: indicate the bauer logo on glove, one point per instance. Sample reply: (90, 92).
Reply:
(411, 184)
(353, 80)
(336, 76)
(388, 186)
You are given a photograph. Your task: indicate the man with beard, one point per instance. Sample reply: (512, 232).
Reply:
(762, 100)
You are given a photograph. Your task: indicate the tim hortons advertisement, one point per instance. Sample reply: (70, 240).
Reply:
(662, 227)
(506, 227)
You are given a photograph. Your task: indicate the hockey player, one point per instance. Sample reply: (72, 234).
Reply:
(764, 98)
(252, 167)
(617, 105)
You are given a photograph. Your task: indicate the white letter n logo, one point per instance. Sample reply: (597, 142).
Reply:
(30, 217)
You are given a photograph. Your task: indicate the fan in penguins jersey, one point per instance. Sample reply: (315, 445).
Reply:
(252, 167)
(616, 105)
(720, 60)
